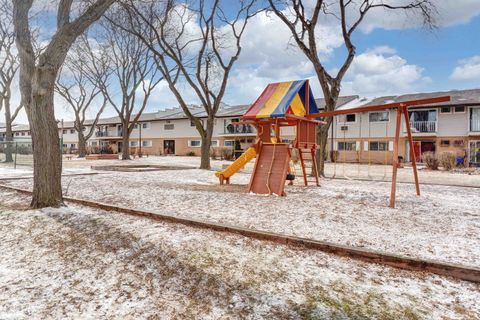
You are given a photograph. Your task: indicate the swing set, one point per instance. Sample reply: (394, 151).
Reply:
(291, 104)
(401, 110)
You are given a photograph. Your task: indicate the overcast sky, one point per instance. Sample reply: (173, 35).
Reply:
(395, 55)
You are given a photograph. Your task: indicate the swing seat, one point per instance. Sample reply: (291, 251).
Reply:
(290, 176)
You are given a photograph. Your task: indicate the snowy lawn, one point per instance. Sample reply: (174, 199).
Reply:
(76, 262)
(442, 224)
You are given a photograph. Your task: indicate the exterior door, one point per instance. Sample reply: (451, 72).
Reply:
(119, 146)
(168, 147)
(475, 153)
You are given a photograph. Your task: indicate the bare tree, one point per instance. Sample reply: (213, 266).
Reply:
(8, 70)
(302, 21)
(37, 82)
(78, 84)
(202, 41)
(133, 75)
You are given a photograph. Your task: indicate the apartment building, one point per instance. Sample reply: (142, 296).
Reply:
(444, 127)
(365, 137)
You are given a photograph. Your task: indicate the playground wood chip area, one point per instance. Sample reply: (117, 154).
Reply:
(442, 224)
(77, 262)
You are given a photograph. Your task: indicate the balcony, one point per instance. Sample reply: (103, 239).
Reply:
(239, 129)
(99, 134)
(423, 126)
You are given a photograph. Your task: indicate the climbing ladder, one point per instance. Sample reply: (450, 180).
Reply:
(308, 156)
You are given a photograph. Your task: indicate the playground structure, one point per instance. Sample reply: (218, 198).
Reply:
(281, 105)
(291, 104)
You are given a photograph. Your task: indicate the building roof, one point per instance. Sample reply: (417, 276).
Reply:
(458, 97)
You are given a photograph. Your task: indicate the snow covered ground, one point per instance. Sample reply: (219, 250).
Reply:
(442, 224)
(76, 262)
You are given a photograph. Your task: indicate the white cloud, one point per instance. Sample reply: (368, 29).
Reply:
(468, 70)
(449, 13)
(381, 71)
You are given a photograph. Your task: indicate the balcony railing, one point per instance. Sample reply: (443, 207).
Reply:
(101, 134)
(239, 129)
(423, 126)
(475, 125)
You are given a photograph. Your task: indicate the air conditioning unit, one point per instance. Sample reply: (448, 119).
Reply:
(344, 128)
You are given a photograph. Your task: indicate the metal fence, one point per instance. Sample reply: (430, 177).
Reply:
(16, 153)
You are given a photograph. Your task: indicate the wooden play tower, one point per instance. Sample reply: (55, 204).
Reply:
(281, 105)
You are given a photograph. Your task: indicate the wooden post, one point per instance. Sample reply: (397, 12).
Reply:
(314, 166)
(395, 157)
(302, 164)
(307, 97)
(412, 151)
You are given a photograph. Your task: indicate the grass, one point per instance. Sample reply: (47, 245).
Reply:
(337, 302)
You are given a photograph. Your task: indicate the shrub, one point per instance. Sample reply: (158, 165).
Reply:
(448, 160)
(431, 160)
(334, 155)
(213, 153)
(190, 154)
(226, 153)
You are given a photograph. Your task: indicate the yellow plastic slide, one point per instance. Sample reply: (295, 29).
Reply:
(238, 164)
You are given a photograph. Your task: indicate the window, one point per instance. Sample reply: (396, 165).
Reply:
(84, 128)
(228, 143)
(169, 126)
(381, 116)
(64, 131)
(444, 143)
(194, 143)
(214, 143)
(348, 146)
(145, 125)
(250, 140)
(135, 126)
(146, 143)
(17, 134)
(72, 145)
(459, 143)
(378, 146)
(133, 143)
(94, 143)
(72, 131)
(459, 109)
(348, 118)
(445, 110)
(23, 133)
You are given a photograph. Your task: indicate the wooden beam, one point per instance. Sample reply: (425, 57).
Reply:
(396, 105)
(395, 157)
(294, 117)
(412, 151)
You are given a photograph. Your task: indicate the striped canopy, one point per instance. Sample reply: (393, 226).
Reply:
(279, 99)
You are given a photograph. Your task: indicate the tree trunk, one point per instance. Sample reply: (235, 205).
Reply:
(322, 139)
(82, 145)
(125, 142)
(47, 159)
(206, 143)
(8, 132)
